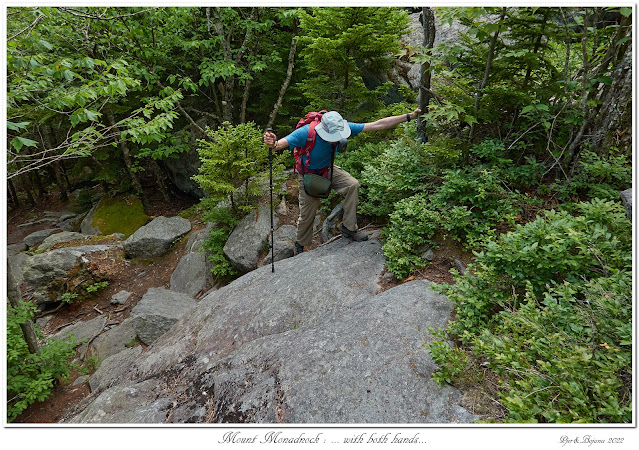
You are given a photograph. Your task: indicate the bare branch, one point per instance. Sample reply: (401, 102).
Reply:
(31, 26)
(88, 16)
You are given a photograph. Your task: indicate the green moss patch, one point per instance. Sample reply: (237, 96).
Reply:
(122, 214)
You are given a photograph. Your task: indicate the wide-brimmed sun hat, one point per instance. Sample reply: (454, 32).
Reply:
(333, 127)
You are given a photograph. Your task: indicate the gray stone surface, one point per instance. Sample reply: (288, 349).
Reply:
(17, 265)
(292, 347)
(156, 238)
(284, 238)
(329, 225)
(249, 239)
(86, 226)
(112, 368)
(626, 199)
(120, 298)
(83, 331)
(113, 341)
(181, 169)
(37, 237)
(190, 276)
(80, 380)
(72, 223)
(133, 403)
(58, 238)
(14, 249)
(43, 269)
(157, 311)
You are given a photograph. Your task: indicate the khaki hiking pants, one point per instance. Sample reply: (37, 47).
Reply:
(345, 184)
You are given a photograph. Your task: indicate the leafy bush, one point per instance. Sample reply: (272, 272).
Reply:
(214, 245)
(31, 377)
(399, 172)
(548, 306)
(597, 176)
(468, 206)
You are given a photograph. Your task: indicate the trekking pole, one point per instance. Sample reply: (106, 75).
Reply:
(270, 162)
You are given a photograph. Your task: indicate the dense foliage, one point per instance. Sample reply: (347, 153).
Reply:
(31, 377)
(523, 147)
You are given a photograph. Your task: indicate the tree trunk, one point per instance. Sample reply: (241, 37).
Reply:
(48, 143)
(424, 72)
(484, 81)
(13, 294)
(42, 192)
(126, 155)
(245, 98)
(287, 80)
(159, 179)
(14, 194)
(537, 46)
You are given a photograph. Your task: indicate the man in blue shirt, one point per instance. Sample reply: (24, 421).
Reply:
(331, 129)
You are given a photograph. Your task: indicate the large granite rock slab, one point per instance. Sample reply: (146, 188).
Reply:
(156, 238)
(59, 238)
(314, 342)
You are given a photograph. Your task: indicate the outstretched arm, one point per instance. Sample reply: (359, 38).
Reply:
(389, 122)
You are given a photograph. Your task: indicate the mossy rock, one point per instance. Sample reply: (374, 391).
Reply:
(122, 214)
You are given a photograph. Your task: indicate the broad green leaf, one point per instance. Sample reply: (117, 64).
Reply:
(17, 126)
(19, 142)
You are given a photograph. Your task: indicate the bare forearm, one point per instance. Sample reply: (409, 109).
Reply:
(389, 122)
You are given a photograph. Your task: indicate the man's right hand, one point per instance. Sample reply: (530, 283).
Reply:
(270, 139)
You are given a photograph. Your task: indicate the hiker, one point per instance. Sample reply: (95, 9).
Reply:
(314, 153)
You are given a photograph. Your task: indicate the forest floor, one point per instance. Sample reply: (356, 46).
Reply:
(138, 276)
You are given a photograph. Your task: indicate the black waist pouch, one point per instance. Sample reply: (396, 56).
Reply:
(316, 185)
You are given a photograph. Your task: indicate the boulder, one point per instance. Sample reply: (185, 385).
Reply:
(157, 311)
(113, 341)
(120, 298)
(83, 332)
(37, 237)
(329, 225)
(157, 237)
(190, 276)
(72, 223)
(249, 239)
(15, 249)
(44, 270)
(626, 199)
(113, 367)
(59, 238)
(312, 343)
(284, 238)
(86, 226)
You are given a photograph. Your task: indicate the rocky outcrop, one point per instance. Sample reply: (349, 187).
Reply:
(86, 226)
(157, 311)
(46, 272)
(313, 342)
(157, 237)
(249, 239)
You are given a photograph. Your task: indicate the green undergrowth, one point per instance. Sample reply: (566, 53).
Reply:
(548, 308)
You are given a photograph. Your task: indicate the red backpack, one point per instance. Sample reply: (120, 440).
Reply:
(313, 119)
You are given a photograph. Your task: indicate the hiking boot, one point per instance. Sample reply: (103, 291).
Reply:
(298, 248)
(354, 235)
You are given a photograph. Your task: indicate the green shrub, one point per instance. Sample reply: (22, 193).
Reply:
(597, 176)
(224, 220)
(399, 172)
(548, 306)
(31, 377)
(468, 206)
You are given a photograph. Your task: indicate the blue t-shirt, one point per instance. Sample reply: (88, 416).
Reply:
(321, 153)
